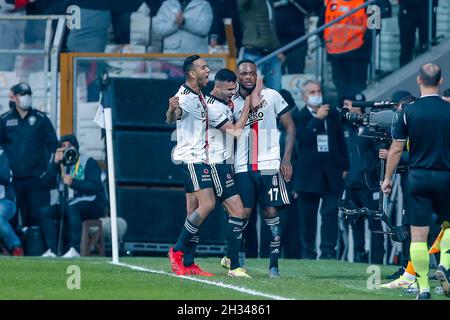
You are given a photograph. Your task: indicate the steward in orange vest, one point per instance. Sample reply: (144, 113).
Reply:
(347, 34)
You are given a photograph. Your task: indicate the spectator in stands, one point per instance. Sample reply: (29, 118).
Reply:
(223, 9)
(446, 95)
(260, 38)
(348, 45)
(413, 15)
(290, 23)
(96, 16)
(183, 25)
(29, 139)
(86, 197)
(7, 208)
(322, 164)
(11, 33)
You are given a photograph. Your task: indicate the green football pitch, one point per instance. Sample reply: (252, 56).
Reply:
(149, 278)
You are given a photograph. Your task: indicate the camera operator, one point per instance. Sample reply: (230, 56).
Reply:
(28, 139)
(425, 124)
(403, 98)
(404, 276)
(86, 197)
(362, 184)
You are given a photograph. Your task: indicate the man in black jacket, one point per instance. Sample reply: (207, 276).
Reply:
(29, 139)
(362, 185)
(321, 166)
(86, 197)
(413, 15)
(290, 24)
(223, 9)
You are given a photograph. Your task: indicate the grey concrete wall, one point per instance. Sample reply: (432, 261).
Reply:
(405, 78)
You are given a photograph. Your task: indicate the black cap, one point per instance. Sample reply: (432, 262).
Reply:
(359, 96)
(71, 138)
(401, 94)
(21, 88)
(446, 93)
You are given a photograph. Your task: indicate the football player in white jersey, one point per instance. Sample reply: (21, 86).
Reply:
(260, 171)
(220, 153)
(191, 115)
(221, 135)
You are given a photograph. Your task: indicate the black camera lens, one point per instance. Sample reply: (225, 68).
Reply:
(70, 156)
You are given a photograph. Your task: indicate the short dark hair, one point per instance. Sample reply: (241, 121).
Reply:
(406, 100)
(225, 75)
(446, 93)
(430, 74)
(189, 62)
(400, 94)
(246, 61)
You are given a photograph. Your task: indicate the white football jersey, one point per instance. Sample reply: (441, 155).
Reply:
(220, 144)
(191, 127)
(258, 148)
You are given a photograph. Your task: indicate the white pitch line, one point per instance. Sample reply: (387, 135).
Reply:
(218, 284)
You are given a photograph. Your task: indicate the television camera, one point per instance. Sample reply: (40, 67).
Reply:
(376, 124)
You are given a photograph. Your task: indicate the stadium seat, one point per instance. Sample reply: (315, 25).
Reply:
(92, 238)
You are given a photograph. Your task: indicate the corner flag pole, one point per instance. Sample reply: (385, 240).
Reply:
(112, 185)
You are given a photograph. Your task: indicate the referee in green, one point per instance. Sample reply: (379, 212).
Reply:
(425, 124)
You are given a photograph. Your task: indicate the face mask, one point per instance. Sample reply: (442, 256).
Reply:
(315, 101)
(12, 104)
(25, 102)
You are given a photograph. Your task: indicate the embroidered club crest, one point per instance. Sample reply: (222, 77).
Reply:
(32, 120)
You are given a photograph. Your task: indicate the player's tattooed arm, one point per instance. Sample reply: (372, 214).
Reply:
(174, 111)
(236, 129)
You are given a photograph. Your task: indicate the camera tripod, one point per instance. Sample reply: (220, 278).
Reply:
(63, 192)
(349, 212)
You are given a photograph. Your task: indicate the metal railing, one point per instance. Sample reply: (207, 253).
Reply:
(321, 54)
(50, 52)
(313, 33)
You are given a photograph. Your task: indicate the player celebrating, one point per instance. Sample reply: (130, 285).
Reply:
(257, 163)
(221, 133)
(191, 115)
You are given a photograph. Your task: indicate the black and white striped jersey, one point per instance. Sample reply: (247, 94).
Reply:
(258, 148)
(220, 145)
(191, 127)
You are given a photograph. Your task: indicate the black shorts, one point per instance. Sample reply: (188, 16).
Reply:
(428, 193)
(196, 176)
(223, 180)
(268, 187)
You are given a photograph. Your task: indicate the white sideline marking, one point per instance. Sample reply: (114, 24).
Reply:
(218, 284)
